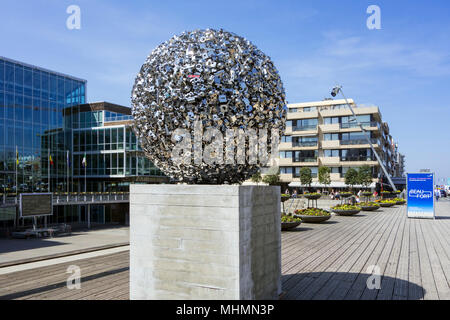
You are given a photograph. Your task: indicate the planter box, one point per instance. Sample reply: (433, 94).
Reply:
(346, 212)
(290, 225)
(386, 205)
(371, 208)
(313, 219)
(205, 242)
(312, 197)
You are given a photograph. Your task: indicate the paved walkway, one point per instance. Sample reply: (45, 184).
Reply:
(12, 250)
(319, 261)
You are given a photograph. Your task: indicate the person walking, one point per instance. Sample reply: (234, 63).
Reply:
(294, 194)
(437, 193)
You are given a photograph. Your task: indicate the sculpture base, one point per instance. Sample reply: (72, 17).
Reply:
(205, 242)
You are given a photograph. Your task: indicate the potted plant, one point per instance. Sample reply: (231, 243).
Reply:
(312, 196)
(289, 222)
(313, 215)
(399, 201)
(284, 197)
(386, 203)
(369, 206)
(385, 194)
(365, 179)
(345, 194)
(346, 209)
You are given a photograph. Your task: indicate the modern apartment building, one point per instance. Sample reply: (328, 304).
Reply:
(323, 133)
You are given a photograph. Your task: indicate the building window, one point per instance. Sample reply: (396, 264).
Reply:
(331, 153)
(331, 136)
(285, 170)
(331, 120)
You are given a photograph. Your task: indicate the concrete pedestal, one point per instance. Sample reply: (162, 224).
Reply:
(205, 242)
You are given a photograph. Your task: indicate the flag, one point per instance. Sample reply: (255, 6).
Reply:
(17, 156)
(51, 160)
(84, 163)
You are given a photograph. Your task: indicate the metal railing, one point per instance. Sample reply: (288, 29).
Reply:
(304, 159)
(348, 125)
(304, 128)
(358, 141)
(118, 118)
(305, 144)
(74, 198)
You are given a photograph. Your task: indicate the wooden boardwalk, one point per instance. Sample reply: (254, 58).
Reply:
(319, 261)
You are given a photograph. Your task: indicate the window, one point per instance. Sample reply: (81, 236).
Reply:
(331, 136)
(285, 154)
(331, 120)
(305, 156)
(286, 170)
(331, 153)
(286, 139)
(335, 170)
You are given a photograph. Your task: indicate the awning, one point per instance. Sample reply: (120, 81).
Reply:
(333, 184)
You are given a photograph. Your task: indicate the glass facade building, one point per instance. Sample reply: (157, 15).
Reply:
(102, 133)
(47, 128)
(31, 126)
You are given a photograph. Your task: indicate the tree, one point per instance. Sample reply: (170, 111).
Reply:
(256, 177)
(365, 175)
(272, 179)
(324, 175)
(305, 176)
(351, 177)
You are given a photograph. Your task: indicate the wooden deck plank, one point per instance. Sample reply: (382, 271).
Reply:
(323, 261)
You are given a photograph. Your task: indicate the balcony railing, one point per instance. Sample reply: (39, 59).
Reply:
(348, 125)
(304, 128)
(305, 144)
(305, 159)
(357, 159)
(358, 141)
(118, 118)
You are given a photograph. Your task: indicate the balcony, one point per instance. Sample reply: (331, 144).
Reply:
(330, 144)
(305, 128)
(329, 127)
(304, 160)
(330, 160)
(358, 158)
(349, 125)
(305, 144)
(358, 142)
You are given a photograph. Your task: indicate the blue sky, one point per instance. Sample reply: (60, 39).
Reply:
(404, 68)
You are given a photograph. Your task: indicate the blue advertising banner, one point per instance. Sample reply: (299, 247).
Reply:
(420, 188)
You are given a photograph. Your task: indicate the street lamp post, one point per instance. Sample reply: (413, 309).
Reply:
(334, 92)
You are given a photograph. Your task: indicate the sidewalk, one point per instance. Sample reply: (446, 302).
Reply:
(22, 250)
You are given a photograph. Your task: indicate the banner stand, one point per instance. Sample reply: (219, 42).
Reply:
(420, 195)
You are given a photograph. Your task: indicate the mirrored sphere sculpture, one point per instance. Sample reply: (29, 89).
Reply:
(212, 77)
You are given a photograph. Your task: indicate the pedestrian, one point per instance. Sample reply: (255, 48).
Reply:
(294, 194)
(437, 194)
(287, 191)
